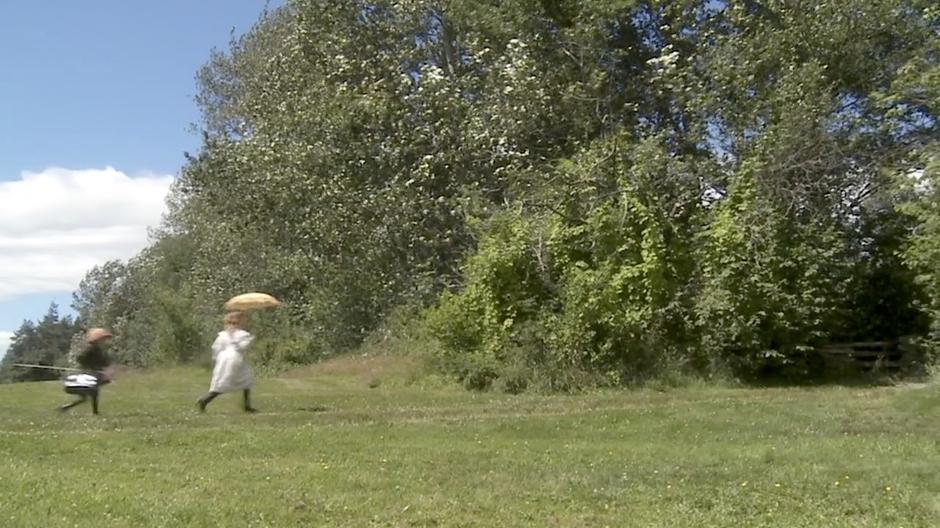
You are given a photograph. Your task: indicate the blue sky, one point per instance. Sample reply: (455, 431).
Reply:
(95, 99)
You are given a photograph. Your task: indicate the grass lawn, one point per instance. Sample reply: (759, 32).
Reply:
(353, 443)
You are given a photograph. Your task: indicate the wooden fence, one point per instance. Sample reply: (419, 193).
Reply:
(873, 356)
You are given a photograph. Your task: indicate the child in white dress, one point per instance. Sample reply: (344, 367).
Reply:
(231, 372)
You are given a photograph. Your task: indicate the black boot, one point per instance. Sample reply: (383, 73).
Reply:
(81, 399)
(248, 407)
(202, 402)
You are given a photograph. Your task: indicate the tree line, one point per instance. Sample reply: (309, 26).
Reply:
(560, 193)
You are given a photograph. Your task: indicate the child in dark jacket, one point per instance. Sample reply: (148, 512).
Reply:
(93, 361)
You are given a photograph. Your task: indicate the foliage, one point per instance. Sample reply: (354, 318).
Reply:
(592, 192)
(923, 250)
(772, 285)
(601, 288)
(46, 341)
(777, 238)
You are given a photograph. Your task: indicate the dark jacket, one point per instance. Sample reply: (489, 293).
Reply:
(93, 358)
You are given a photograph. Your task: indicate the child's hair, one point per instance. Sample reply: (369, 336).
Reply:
(236, 319)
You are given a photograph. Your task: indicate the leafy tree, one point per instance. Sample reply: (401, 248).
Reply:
(43, 342)
(585, 192)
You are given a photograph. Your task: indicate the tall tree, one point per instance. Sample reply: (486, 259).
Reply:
(600, 186)
(43, 342)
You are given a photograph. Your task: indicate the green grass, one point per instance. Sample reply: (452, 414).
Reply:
(328, 450)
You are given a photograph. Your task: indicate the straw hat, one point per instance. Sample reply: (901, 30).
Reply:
(96, 335)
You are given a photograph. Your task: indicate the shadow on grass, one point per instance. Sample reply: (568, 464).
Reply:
(850, 378)
(313, 409)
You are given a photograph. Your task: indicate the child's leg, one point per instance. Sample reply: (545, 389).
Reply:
(81, 399)
(247, 396)
(94, 402)
(202, 402)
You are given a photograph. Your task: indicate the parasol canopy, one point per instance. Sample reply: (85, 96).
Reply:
(251, 301)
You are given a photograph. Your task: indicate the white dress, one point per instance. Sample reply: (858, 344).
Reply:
(231, 372)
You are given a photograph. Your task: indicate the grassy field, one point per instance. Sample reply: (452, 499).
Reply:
(353, 443)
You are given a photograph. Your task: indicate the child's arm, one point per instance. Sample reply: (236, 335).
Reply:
(243, 340)
(217, 347)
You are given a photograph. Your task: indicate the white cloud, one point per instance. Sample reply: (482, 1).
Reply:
(5, 338)
(57, 224)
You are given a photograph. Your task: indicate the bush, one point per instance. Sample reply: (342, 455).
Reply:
(179, 331)
(556, 304)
